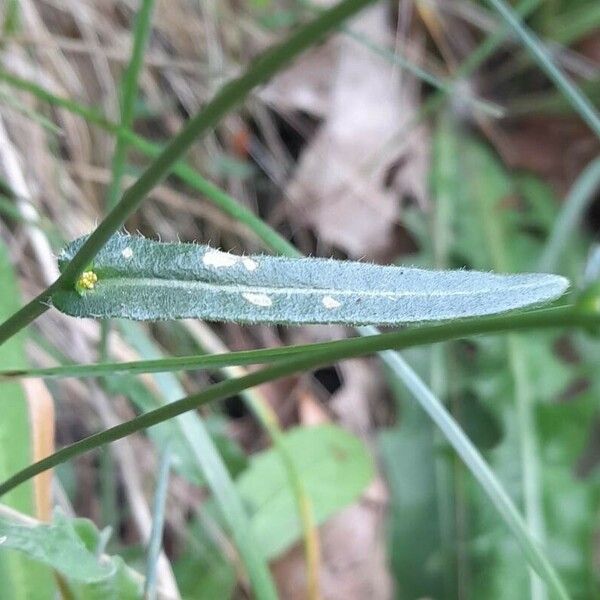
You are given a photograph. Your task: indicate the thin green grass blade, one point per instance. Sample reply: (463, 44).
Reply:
(16, 105)
(482, 52)
(129, 92)
(583, 106)
(551, 318)
(477, 57)
(572, 21)
(140, 279)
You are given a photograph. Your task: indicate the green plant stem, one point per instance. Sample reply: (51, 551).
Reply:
(319, 354)
(578, 199)
(548, 318)
(229, 96)
(28, 313)
(218, 391)
(576, 98)
(303, 503)
(86, 112)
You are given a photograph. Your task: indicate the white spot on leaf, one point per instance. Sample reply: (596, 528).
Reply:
(3, 538)
(258, 299)
(217, 259)
(251, 265)
(127, 252)
(330, 303)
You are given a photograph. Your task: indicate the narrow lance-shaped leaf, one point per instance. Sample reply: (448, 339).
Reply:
(136, 278)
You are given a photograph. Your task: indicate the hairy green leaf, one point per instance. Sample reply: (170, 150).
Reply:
(141, 279)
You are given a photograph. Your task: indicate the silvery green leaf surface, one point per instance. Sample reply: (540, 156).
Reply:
(147, 280)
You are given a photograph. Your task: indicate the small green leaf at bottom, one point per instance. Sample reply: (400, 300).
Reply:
(63, 545)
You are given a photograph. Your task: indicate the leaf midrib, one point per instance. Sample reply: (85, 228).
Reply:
(240, 289)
